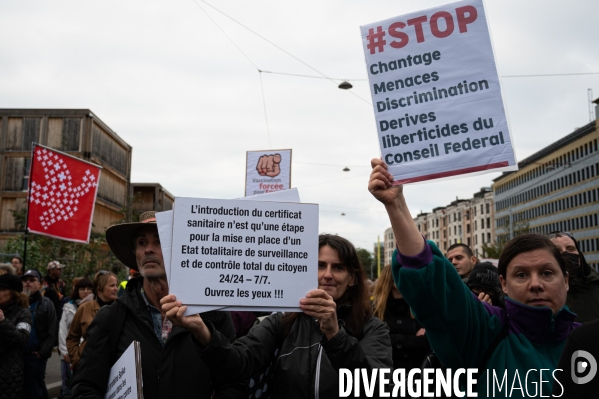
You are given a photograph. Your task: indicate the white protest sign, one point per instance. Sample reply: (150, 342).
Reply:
(164, 221)
(243, 253)
(267, 171)
(123, 377)
(436, 93)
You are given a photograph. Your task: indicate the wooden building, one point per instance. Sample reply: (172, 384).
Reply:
(77, 132)
(151, 197)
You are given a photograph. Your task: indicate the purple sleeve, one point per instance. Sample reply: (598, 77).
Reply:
(417, 261)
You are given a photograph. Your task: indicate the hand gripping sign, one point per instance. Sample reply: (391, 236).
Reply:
(436, 94)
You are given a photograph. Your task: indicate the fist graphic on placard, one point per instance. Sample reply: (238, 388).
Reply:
(268, 165)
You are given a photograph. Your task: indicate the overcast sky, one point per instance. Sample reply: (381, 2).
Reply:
(170, 83)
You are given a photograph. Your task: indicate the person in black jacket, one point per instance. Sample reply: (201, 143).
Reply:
(408, 338)
(171, 368)
(42, 338)
(577, 373)
(304, 351)
(15, 324)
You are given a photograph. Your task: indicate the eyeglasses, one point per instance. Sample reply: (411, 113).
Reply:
(85, 289)
(559, 234)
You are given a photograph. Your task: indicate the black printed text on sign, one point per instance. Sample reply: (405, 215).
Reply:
(436, 94)
(234, 253)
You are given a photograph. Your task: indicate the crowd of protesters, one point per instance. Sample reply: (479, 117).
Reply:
(426, 309)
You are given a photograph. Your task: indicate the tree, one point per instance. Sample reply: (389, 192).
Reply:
(494, 250)
(366, 260)
(80, 259)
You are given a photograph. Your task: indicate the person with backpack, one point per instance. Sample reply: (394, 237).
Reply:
(462, 328)
(170, 366)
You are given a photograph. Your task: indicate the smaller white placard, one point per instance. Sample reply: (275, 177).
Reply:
(122, 381)
(267, 171)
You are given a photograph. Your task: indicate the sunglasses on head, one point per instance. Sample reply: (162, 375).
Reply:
(559, 234)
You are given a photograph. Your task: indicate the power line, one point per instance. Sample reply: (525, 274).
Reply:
(326, 164)
(551, 74)
(311, 76)
(264, 104)
(280, 48)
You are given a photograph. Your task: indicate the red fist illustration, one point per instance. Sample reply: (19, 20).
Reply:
(268, 165)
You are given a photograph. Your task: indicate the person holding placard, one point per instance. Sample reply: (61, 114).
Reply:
(302, 352)
(526, 339)
(170, 366)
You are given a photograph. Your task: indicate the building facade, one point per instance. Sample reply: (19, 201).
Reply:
(79, 133)
(555, 189)
(151, 197)
(463, 221)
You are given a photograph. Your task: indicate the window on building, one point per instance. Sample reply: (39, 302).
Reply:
(488, 223)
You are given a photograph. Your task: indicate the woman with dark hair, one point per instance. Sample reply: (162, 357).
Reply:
(467, 333)
(15, 326)
(303, 351)
(81, 290)
(408, 340)
(105, 289)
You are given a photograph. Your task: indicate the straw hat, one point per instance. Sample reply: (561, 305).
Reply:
(121, 238)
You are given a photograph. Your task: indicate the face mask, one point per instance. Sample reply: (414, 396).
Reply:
(572, 264)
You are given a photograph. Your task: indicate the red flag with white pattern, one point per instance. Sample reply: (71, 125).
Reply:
(62, 195)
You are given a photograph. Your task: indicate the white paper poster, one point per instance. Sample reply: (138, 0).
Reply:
(436, 93)
(125, 378)
(243, 253)
(267, 171)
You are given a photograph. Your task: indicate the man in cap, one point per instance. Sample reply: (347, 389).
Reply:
(484, 282)
(43, 335)
(170, 364)
(54, 287)
(583, 295)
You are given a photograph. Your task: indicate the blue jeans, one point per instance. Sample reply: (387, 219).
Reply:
(35, 377)
(67, 376)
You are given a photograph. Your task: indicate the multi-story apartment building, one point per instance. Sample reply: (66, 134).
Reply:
(555, 189)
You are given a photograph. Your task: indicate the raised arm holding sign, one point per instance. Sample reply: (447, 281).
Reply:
(436, 94)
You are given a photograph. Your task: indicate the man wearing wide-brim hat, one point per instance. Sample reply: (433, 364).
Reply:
(170, 365)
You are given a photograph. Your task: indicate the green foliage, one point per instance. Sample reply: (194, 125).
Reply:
(494, 250)
(80, 259)
(365, 259)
